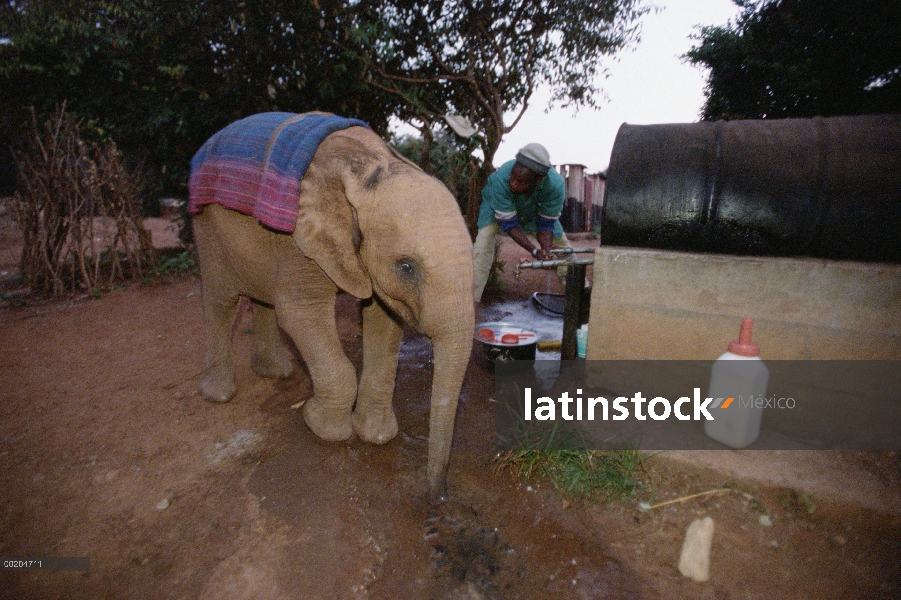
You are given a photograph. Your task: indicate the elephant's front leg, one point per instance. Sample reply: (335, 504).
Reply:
(373, 418)
(306, 311)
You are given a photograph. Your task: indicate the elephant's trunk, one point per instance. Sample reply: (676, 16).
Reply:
(451, 349)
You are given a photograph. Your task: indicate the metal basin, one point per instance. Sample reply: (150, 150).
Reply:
(506, 341)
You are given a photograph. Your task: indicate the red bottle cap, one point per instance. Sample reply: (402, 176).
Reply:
(743, 346)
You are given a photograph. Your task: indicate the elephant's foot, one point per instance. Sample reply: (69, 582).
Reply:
(273, 365)
(375, 426)
(217, 388)
(329, 424)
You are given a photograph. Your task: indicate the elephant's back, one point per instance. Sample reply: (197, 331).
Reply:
(255, 165)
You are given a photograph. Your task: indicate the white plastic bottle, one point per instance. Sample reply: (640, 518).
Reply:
(741, 375)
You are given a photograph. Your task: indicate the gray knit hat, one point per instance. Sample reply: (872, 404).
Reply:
(534, 157)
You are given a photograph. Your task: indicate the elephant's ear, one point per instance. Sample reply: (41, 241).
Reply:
(327, 232)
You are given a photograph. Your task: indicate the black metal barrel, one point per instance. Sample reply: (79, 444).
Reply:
(822, 187)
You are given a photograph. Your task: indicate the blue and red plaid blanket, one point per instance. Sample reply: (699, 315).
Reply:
(255, 165)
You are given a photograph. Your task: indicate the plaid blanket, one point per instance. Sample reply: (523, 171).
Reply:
(255, 165)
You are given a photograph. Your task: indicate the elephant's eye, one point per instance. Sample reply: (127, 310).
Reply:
(407, 269)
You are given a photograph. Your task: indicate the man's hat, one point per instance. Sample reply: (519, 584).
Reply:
(534, 157)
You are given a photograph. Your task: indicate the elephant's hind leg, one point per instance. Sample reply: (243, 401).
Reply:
(219, 311)
(374, 419)
(268, 357)
(220, 307)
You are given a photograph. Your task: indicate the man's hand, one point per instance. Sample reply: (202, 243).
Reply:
(545, 238)
(541, 252)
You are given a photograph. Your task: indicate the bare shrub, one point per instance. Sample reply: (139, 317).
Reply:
(79, 211)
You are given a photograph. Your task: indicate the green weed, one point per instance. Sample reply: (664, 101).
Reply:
(796, 503)
(594, 474)
(555, 451)
(496, 284)
(181, 263)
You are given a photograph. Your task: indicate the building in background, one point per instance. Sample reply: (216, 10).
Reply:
(584, 199)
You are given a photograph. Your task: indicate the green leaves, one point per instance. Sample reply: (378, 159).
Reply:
(485, 59)
(161, 76)
(802, 58)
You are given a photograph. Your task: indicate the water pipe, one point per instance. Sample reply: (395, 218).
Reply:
(550, 264)
(571, 250)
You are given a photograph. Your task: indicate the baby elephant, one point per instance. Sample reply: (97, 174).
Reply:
(289, 210)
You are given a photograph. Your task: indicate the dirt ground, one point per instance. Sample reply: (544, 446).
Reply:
(108, 452)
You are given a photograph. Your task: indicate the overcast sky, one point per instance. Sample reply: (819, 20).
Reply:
(647, 85)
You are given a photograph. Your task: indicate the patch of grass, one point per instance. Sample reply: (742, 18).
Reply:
(595, 474)
(496, 284)
(181, 263)
(554, 451)
(17, 301)
(542, 435)
(796, 503)
(100, 292)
